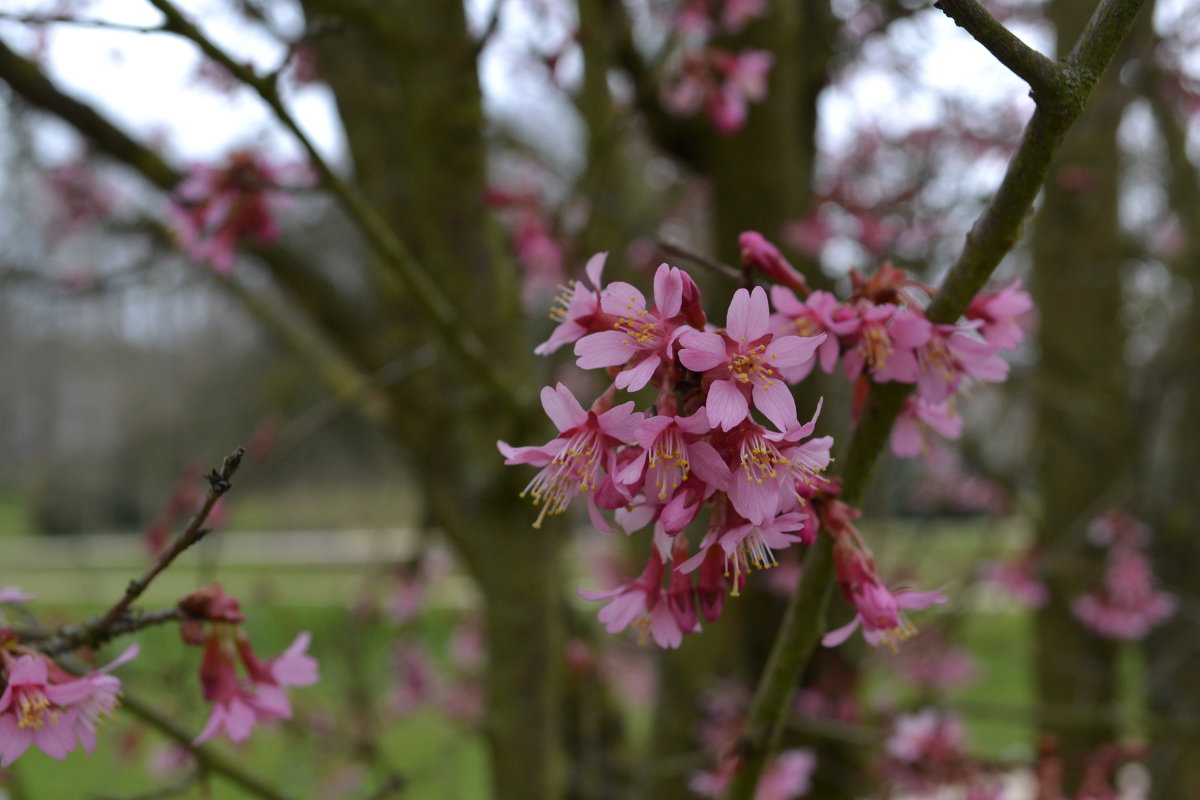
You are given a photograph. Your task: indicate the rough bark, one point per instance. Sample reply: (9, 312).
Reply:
(1083, 431)
(406, 83)
(1172, 502)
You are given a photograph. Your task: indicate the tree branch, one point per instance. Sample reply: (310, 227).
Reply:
(206, 756)
(1043, 75)
(993, 235)
(464, 342)
(118, 619)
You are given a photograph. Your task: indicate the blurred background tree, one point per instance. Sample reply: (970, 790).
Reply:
(482, 153)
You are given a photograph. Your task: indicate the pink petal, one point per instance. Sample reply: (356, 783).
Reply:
(622, 299)
(14, 740)
(638, 375)
(595, 268)
(604, 349)
(701, 351)
(839, 635)
(749, 315)
(726, 405)
(668, 292)
(777, 403)
(791, 351)
(562, 408)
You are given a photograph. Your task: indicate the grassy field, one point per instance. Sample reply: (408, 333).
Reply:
(298, 583)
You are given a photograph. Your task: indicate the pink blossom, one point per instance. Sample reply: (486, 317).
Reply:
(744, 361)
(233, 712)
(926, 736)
(786, 777)
(577, 309)
(885, 342)
(760, 254)
(639, 602)
(774, 466)
(747, 72)
(573, 461)
(1017, 578)
(817, 315)
(643, 337)
(215, 209)
(916, 417)
(1128, 606)
(417, 683)
(1003, 315)
(948, 356)
(671, 448)
(45, 707)
(13, 594)
(737, 13)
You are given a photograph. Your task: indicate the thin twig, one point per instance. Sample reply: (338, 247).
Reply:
(1043, 75)
(72, 637)
(118, 618)
(993, 235)
(80, 22)
(209, 758)
(674, 248)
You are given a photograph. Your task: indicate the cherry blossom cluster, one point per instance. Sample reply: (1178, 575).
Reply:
(880, 334)
(213, 209)
(212, 620)
(717, 80)
(45, 706)
(723, 435)
(1128, 605)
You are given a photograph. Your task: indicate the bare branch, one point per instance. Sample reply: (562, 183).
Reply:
(72, 637)
(118, 618)
(1043, 75)
(411, 272)
(79, 22)
(674, 248)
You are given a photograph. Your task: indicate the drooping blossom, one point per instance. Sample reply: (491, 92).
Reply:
(642, 603)
(572, 462)
(743, 362)
(878, 610)
(759, 254)
(239, 702)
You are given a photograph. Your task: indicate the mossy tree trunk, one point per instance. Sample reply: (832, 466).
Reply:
(1083, 430)
(405, 79)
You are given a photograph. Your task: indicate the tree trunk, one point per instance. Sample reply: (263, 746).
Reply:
(1083, 424)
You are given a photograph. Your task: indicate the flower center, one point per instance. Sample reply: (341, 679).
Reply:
(761, 460)
(668, 460)
(876, 345)
(562, 301)
(576, 468)
(751, 367)
(31, 709)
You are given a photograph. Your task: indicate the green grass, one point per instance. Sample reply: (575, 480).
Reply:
(438, 757)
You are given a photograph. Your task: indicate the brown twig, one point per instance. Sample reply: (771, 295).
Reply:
(674, 248)
(118, 619)
(72, 637)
